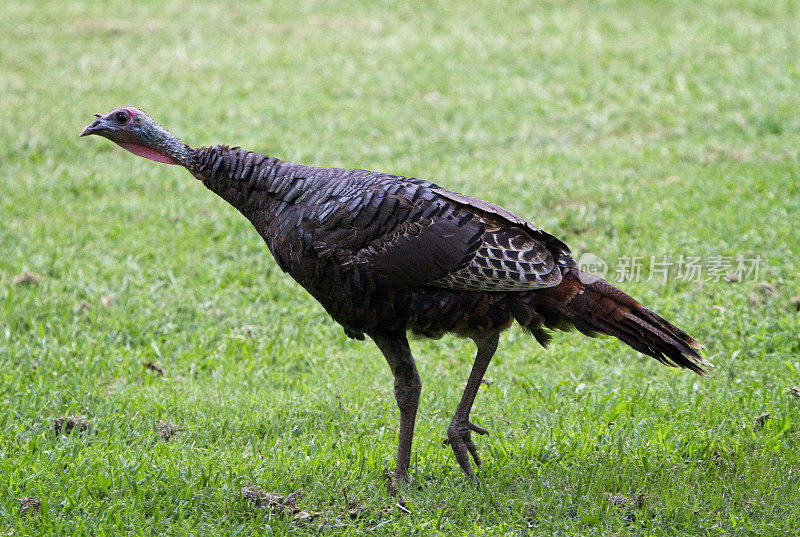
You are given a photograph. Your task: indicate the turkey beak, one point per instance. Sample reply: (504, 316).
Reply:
(94, 127)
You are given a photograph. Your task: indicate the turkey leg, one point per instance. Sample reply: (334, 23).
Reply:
(460, 429)
(407, 387)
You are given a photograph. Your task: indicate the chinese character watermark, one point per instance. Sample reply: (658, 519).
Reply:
(686, 268)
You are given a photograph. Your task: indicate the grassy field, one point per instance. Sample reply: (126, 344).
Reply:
(133, 297)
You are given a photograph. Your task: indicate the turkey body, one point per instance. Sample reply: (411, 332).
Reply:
(385, 254)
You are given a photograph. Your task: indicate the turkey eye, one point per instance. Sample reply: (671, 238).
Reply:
(121, 117)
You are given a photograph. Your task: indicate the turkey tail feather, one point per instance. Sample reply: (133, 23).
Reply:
(594, 306)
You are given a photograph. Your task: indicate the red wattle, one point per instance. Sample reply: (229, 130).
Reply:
(150, 153)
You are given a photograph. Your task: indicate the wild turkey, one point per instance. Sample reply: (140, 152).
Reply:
(385, 254)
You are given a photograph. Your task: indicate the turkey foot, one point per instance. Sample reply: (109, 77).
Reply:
(459, 433)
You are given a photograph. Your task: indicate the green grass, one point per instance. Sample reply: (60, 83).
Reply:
(659, 128)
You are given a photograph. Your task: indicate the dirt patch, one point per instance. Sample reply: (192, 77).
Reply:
(275, 502)
(260, 497)
(68, 424)
(154, 367)
(391, 486)
(84, 305)
(625, 506)
(357, 508)
(166, 429)
(761, 293)
(722, 459)
(622, 502)
(352, 508)
(795, 302)
(762, 420)
(29, 506)
(81, 307)
(27, 277)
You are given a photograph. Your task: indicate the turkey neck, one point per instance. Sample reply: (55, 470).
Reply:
(249, 181)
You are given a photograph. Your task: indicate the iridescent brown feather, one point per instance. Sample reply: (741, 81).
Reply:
(597, 307)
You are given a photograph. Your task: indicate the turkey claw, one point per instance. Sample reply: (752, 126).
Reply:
(460, 436)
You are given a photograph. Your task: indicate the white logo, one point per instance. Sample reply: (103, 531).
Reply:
(592, 267)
